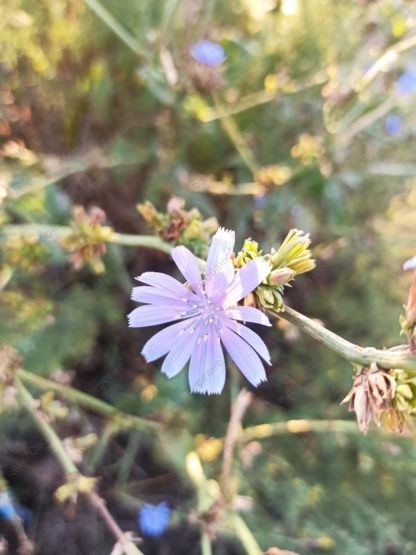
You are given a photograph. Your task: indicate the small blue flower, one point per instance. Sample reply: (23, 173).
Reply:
(260, 200)
(154, 519)
(406, 83)
(208, 53)
(393, 125)
(7, 511)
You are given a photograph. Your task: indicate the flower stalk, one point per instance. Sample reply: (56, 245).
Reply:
(347, 350)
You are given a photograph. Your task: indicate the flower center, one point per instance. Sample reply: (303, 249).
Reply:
(209, 317)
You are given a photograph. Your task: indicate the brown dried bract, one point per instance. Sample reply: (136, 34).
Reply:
(371, 398)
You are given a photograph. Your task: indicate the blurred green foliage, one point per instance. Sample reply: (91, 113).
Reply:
(91, 118)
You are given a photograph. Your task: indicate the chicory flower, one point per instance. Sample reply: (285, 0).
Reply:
(208, 316)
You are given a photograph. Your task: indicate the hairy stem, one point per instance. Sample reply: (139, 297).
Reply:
(351, 352)
(146, 241)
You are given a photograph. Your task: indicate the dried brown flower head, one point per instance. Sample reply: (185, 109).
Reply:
(371, 398)
(180, 226)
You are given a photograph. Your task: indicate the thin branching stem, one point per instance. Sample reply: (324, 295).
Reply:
(70, 469)
(88, 402)
(239, 408)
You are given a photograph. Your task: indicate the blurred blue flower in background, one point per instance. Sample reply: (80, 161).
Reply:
(406, 83)
(393, 124)
(7, 511)
(208, 53)
(260, 200)
(154, 519)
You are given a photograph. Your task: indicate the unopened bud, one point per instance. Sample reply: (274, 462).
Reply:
(281, 276)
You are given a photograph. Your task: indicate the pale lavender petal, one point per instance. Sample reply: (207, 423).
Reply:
(166, 283)
(219, 270)
(153, 295)
(247, 314)
(163, 341)
(410, 264)
(207, 367)
(246, 280)
(244, 357)
(180, 353)
(252, 338)
(188, 265)
(149, 315)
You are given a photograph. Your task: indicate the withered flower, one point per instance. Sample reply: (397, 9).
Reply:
(180, 226)
(371, 398)
(87, 242)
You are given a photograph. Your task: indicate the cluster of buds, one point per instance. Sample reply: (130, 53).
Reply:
(273, 175)
(293, 258)
(9, 363)
(76, 484)
(87, 242)
(180, 226)
(405, 398)
(373, 398)
(307, 149)
(26, 253)
(52, 408)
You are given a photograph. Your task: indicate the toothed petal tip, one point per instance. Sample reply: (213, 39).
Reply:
(205, 391)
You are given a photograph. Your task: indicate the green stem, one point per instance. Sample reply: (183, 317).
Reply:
(235, 136)
(98, 453)
(47, 431)
(129, 455)
(297, 426)
(36, 229)
(146, 241)
(351, 352)
(206, 548)
(245, 536)
(117, 28)
(390, 56)
(88, 402)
